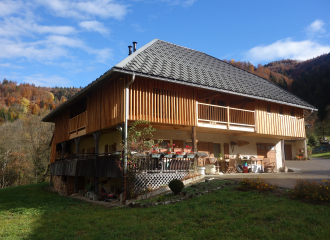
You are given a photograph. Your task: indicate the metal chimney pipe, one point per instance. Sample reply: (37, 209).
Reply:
(134, 46)
(129, 50)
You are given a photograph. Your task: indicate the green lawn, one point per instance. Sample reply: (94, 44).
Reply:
(320, 155)
(30, 212)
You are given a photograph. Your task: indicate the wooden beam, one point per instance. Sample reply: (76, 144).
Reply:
(63, 144)
(239, 101)
(77, 141)
(207, 95)
(97, 136)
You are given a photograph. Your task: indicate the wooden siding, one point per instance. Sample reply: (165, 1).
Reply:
(113, 102)
(284, 124)
(105, 105)
(162, 102)
(52, 151)
(61, 132)
(94, 102)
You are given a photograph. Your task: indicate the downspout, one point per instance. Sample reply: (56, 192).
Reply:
(126, 121)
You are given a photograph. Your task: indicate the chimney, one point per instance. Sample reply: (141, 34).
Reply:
(134, 46)
(129, 50)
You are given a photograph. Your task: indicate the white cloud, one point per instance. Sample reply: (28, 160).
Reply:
(47, 81)
(138, 28)
(315, 28)
(287, 49)
(15, 26)
(8, 7)
(9, 65)
(50, 48)
(81, 9)
(185, 3)
(94, 26)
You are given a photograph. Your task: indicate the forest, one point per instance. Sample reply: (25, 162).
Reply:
(24, 139)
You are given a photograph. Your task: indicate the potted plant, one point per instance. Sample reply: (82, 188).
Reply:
(187, 150)
(179, 154)
(168, 154)
(219, 157)
(155, 151)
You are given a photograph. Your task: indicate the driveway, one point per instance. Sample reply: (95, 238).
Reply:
(316, 169)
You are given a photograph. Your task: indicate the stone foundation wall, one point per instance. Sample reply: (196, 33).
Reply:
(64, 184)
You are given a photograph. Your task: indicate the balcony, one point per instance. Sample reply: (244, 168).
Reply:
(78, 125)
(213, 116)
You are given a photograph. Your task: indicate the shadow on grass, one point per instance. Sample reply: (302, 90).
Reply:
(226, 214)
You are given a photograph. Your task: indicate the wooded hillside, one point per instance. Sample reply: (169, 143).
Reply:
(18, 99)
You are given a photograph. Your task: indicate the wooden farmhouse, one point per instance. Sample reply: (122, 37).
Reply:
(191, 98)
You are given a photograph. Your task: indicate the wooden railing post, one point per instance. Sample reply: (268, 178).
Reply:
(228, 117)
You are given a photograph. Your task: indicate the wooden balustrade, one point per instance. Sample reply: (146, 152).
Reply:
(78, 122)
(225, 115)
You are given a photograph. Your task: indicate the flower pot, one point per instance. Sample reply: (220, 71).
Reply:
(210, 169)
(179, 156)
(168, 155)
(190, 155)
(201, 170)
(155, 155)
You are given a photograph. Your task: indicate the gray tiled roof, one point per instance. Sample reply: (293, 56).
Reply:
(167, 61)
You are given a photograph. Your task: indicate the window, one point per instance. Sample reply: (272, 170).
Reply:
(270, 147)
(268, 108)
(261, 146)
(280, 110)
(292, 112)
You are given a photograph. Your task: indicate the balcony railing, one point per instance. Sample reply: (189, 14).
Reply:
(225, 117)
(78, 122)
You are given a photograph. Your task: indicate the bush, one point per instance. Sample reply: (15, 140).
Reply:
(311, 190)
(176, 186)
(258, 184)
(312, 140)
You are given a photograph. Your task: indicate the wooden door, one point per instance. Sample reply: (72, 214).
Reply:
(217, 149)
(262, 150)
(288, 152)
(203, 147)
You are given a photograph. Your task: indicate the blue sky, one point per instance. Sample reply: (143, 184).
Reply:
(72, 42)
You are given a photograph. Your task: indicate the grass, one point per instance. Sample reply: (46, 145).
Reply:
(325, 155)
(30, 212)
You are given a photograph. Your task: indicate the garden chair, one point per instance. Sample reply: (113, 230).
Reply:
(231, 166)
(269, 164)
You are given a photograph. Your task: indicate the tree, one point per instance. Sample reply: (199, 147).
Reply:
(37, 138)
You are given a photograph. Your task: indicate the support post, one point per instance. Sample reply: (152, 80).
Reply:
(194, 145)
(228, 117)
(77, 141)
(97, 136)
(125, 129)
(63, 144)
(283, 153)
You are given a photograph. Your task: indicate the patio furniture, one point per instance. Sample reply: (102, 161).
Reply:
(231, 166)
(269, 164)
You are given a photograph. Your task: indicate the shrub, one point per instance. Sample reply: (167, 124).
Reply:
(311, 190)
(176, 186)
(312, 140)
(258, 184)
